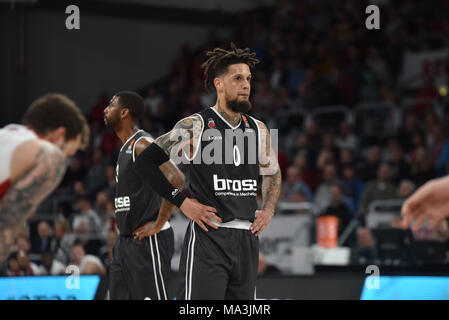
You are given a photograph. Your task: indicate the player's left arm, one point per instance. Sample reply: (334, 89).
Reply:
(176, 178)
(271, 181)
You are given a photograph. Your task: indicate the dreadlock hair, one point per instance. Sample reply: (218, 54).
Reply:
(220, 59)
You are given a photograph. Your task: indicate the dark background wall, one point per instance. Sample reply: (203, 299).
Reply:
(110, 52)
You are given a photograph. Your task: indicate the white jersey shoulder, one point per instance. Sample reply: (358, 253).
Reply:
(12, 136)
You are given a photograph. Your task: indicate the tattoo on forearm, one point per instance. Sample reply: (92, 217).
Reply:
(233, 120)
(175, 177)
(30, 190)
(271, 189)
(6, 241)
(165, 211)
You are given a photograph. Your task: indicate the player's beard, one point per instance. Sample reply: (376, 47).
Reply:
(238, 106)
(112, 122)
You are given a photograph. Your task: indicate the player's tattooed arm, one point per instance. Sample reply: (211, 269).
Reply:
(271, 172)
(271, 181)
(176, 178)
(178, 143)
(184, 137)
(28, 192)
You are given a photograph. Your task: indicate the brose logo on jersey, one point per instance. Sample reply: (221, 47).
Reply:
(122, 204)
(235, 187)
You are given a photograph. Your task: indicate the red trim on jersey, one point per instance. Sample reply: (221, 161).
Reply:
(4, 187)
(37, 134)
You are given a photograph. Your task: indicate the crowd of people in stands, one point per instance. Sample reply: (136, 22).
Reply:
(313, 54)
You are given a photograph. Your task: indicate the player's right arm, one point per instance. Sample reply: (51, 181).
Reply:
(181, 139)
(37, 168)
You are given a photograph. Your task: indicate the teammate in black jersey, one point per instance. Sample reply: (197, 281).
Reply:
(222, 263)
(142, 254)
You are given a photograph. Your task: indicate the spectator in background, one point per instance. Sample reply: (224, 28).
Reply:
(377, 65)
(26, 268)
(263, 98)
(62, 241)
(346, 139)
(313, 138)
(303, 145)
(106, 212)
(409, 128)
(338, 208)
(436, 139)
(400, 168)
(328, 143)
(278, 75)
(42, 243)
(346, 158)
(405, 189)
(427, 94)
(95, 178)
(352, 187)
(86, 210)
(83, 235)
(12, 265)
(152, 102)
(296, 76)
(23, 243)
(323, 196)
(75, 172)
(421, 167)
(380, 189)
(88, 264)
(293, 184)
(310, 178)
(50, 266)
(368, 171)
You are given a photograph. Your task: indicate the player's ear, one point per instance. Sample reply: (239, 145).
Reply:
(124, 113)
(218, 83)
(57, 136)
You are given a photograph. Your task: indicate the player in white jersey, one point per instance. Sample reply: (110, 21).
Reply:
(33, 158)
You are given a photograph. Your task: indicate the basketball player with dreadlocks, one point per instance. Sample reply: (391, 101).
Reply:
(141, 258)
(221, 263)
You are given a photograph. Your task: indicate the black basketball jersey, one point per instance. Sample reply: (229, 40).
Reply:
(135, 201)
(224, 172)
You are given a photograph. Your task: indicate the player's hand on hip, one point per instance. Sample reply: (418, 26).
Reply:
(429, 202)
(147, 230)
(261, 221)
(200, 213)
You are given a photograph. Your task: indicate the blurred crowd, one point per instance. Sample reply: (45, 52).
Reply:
(313, 54)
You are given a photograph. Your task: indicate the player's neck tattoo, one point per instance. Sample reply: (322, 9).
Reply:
(232, 119)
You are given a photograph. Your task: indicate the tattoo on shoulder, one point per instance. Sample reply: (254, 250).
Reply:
(31, 189)
(183, 137)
